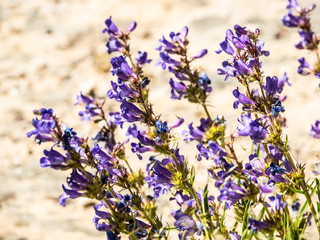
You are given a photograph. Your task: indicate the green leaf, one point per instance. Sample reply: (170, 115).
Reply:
(205, 200)
(245, 218)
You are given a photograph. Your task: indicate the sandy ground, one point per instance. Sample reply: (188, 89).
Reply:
(51, 50)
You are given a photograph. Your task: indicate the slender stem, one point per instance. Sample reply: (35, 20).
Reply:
(203, 219)
(306, 194)
(207, 112)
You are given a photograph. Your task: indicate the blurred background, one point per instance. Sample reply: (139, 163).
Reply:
(52, 50)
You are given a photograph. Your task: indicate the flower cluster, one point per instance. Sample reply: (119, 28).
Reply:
(190, 84)
(299, 17)
(260, 191)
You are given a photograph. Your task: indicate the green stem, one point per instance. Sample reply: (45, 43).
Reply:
(203, 214)
(207, 112)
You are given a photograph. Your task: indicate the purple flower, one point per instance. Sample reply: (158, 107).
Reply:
(276, 203)
(137, 148)
(231, 193)
(158, 177)
(227, 70)
(197, 133)
(291, 20)
(116, 118)
(178, 158)
(121, 91)
(177, 123)
(293, 4)
(315, 130)
(142, 58)
(242, 68)
(178, 41)
(178, 89)
(103, 160)
(53, 159)
(121, 68)
(241, 99)
(214, 151)
(307, 40)
(130, 112)
(132, 26)
(200, 54)
(185, 224)
(92, 108)
(252, 128)
(180, 198)
(281, 81)
(257, 225)
(145, 140)
(226, 47)
(165, 60)
(234, 236)
(111, 28)
(271, 85)
(78, 182)
(113, 45)
(305, 68)
(267, 187)
(44, 127)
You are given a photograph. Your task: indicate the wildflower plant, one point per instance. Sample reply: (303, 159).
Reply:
(267, 192)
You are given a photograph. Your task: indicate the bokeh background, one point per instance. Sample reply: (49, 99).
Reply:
(50, 50)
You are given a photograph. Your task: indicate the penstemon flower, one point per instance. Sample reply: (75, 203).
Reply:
(259, 191)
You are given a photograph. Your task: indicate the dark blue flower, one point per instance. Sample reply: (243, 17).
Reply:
(295, 206)
(277, 108)
(161, 127)
(275, 169)
(67, 136)
(204, 82)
